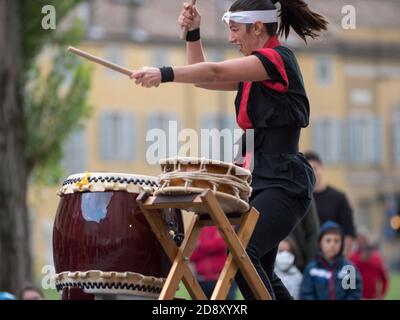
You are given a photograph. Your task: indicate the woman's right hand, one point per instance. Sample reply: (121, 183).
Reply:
(189, 17)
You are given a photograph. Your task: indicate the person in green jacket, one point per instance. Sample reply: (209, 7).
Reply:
(305, 236)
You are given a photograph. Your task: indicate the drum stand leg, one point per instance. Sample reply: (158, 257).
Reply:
(175, 254)
(237, 259)
(224, 283)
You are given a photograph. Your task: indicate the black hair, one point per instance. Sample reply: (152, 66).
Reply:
(313, 156)
(330, 231)
(294, 14)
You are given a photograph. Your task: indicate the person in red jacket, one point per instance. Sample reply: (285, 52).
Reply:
(368, 261)
(209, 258)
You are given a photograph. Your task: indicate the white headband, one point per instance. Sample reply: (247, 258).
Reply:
(264, 16)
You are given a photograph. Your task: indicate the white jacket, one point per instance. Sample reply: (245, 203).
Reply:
(291, 278)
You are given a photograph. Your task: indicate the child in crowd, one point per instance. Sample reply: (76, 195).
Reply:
(331, 276)
(286, 269)
(208, 259)
(369, 262)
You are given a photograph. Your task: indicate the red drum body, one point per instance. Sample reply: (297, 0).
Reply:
(102, 243)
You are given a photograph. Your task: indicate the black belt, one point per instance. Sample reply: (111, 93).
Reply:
(277, 140)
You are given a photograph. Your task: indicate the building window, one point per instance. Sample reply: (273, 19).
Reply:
(95, 28)
(327, 139)
(218, 121)
(364, 213)
(364, 136)
(47, 235)
(117, 136)
(75, 153)
(214, 55)
(115, 55)
(218, 136)
(83, 13)
(396, 135)
(361, 96)
(160, 57)
(162, 131)
(324, 70)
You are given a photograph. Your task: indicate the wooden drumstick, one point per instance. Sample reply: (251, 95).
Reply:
(101, 61)
(185, 30)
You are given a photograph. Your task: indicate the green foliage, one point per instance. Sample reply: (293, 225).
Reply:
(56, 102)
(34, 37)
(55, 107)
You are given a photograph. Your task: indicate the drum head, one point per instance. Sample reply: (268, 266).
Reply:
(105, 181)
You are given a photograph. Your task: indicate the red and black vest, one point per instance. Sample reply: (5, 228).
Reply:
(277, 109)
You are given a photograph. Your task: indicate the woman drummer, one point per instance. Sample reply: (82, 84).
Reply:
(271, 100)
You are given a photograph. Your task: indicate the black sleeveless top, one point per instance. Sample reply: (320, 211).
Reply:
(276, 110)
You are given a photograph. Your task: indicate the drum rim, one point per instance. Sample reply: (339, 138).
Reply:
(107, 181)
(240, 205)
(111, 174)
(81, 279)
(175, 160)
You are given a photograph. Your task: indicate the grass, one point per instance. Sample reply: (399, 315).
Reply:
(51, 294)
(393, 293)
(394, 287)
(182, 293)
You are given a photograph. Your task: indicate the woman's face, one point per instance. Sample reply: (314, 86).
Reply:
(246, 40)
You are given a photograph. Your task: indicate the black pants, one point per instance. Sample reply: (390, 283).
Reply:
(279, 214)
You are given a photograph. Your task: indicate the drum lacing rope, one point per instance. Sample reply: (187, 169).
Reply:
(215, 186)
(188, 181)
(165, 184)
(236, 191)
(240, 187)
(229, 169)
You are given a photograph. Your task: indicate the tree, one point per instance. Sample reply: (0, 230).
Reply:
(37, 113)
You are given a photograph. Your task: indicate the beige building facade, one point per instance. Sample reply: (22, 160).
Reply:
(352, 79)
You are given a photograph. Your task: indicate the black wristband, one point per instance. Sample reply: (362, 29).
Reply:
(167, 74)
(193, 35)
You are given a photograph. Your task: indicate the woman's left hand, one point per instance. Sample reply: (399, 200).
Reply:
(147, 77)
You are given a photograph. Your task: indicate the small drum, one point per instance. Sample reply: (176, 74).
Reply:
(102, 243)
(230, 183)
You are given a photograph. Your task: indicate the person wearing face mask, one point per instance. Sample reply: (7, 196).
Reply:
(286, 270)
(271, 105)
(331, 276)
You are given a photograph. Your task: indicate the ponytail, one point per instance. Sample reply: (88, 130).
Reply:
(294, 14)
(305, 22)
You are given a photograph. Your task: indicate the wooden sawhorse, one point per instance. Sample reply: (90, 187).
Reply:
(211, 214)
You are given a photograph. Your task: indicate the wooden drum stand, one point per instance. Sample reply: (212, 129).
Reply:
(211, 215)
